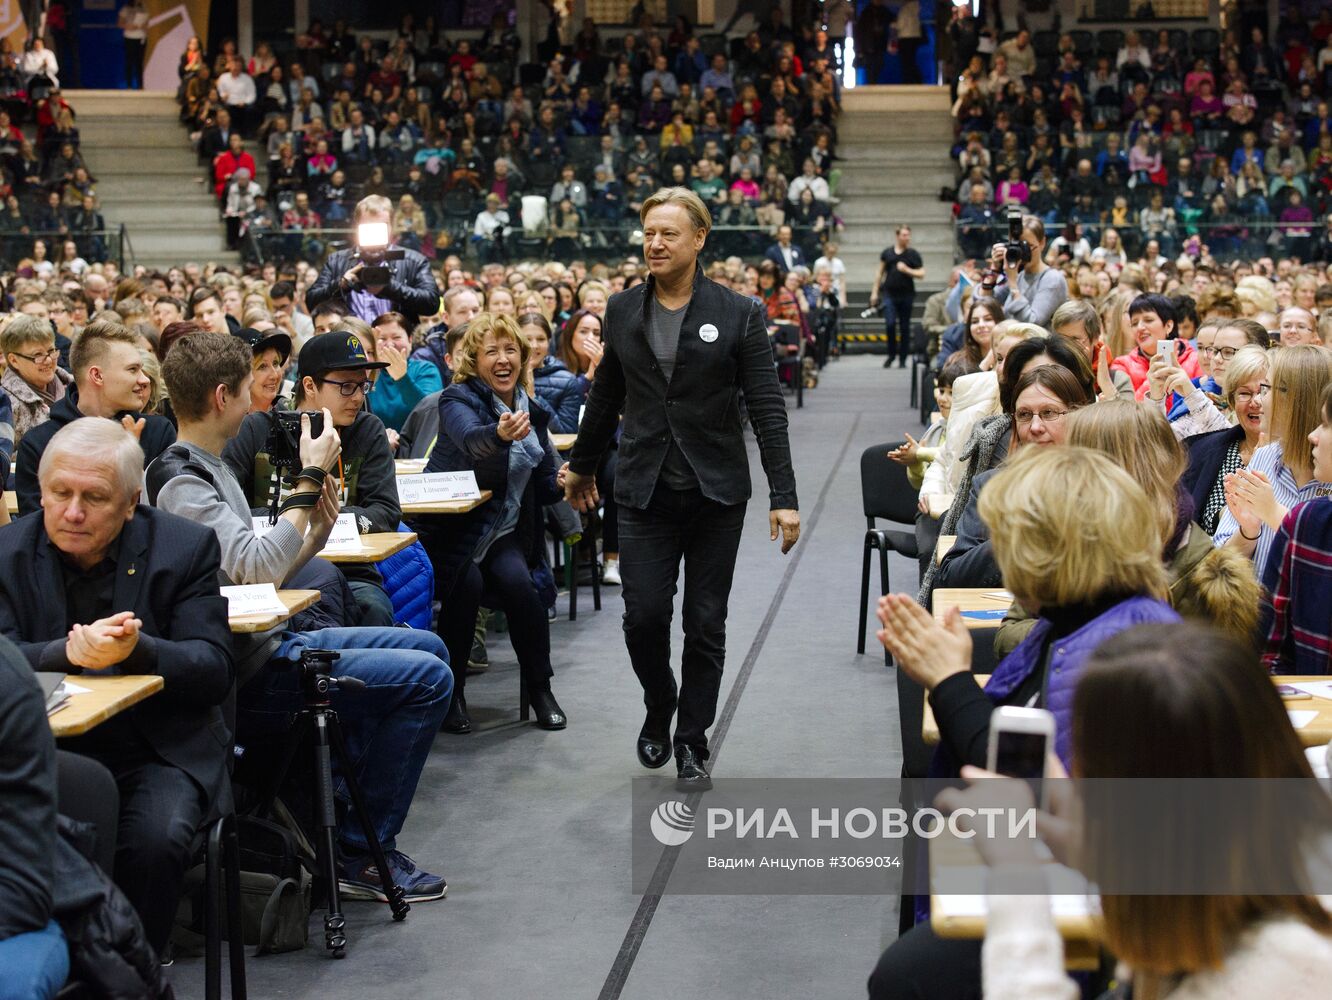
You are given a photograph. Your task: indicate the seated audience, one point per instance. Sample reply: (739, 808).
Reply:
(1044, 396)
(269, 352)
(554, 384)
(1152, 319)
(390, 724)
(1056, 518)
(109, 381)
(1297, 620)
(403, 381)
(993, 436)
(1199, 707)
(33, 378)
(125, 589)
(334, 372)
(1206, 583)
(1217, 454)
(1280, 474)
(489, 423)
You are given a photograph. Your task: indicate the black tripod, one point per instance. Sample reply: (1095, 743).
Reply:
(318, 720)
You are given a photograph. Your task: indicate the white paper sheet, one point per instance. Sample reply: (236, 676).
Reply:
(1319, 689)
(344, 537)
(436, 486)
(253, 599)
(1299, 719)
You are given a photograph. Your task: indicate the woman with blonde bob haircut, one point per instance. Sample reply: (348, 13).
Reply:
(1057, 517)
(1280, 474)
(1206, 583)
(491, 424)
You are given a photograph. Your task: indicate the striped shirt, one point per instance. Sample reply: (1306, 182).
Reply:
(1268, 461)
(1297, 598)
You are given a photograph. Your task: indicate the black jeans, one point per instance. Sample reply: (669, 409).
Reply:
(897, 324)
(161, 808)
(706, 534)
(502, 580)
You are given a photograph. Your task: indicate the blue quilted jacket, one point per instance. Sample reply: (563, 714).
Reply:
(409, 580)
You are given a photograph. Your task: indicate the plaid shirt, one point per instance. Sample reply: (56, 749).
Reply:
(1297, 598)
(1269, 461)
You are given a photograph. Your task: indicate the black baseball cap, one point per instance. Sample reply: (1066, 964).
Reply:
(337, 350)
(261, 341)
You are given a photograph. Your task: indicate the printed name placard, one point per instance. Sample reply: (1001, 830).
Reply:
(343, 538)
(253, 599)
(432, 487)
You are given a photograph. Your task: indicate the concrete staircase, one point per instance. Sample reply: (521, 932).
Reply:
(894, 141)
(147, 177)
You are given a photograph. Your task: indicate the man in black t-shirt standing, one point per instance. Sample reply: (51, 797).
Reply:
(900, 267)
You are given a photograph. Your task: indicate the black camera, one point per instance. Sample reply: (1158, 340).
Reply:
(1017, 252)
(284, 437)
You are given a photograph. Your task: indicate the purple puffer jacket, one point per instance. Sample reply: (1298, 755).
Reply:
(1067, 659)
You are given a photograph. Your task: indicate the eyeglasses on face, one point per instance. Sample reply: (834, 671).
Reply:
(1224, 353)
(1048, 416)
(1244, 397)
(38, 359)
(350, 388)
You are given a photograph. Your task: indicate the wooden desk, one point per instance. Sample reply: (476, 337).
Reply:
(946, 542)
(1317, 733)
(409, 466)
(446, 506)
(375, 547)
(563, 442)
(295, 600)
(958, 916)
(11, 501)
(107, 697)
(970, 599)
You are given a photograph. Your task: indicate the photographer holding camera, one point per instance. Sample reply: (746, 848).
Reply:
(1029, 289)
(373, 277)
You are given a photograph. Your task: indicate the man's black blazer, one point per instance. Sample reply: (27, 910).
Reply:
(412, 290)
(167, 575)
(699, 407)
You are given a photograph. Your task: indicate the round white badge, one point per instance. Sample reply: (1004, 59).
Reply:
(707, 333)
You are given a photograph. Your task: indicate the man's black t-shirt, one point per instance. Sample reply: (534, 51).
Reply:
(896, 284)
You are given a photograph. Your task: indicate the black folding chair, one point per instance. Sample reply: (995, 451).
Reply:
(886, 494)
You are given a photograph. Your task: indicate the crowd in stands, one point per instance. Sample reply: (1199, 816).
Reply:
(485, 155)
(1150, 142)
(50, 216)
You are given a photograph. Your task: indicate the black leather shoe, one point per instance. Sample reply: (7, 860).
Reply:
(549, 715)
(457, 721)
(691, 775)
(653, 753)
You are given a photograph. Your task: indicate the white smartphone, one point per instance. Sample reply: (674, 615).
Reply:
(1020, 740)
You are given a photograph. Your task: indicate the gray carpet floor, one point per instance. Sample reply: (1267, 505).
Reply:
(532, 828)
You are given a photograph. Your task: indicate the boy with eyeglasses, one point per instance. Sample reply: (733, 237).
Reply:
(334, 375)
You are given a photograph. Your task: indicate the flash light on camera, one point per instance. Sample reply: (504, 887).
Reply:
(372, 234)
